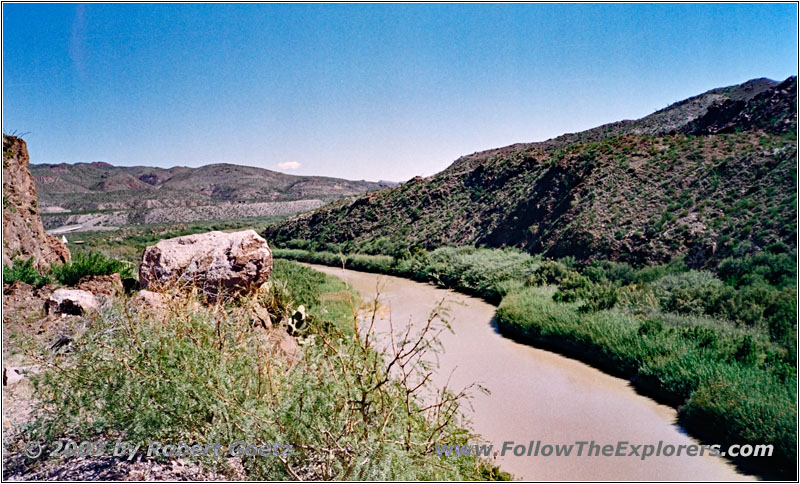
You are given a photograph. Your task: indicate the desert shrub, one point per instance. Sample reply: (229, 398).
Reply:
(650, 326)
(23, 270)
(747, 304)
(569, 261)
(638, 299)
(751, 301)
(746, 350)
(599, 297)
(572, 288)
(549, 272)
(483, 272)
(91, 264)
(595, 272)
(651, 273)
(300, 244)
(479, 271)
(781, 316)
(508, 286)
(213, 375)
(688, 292)
(778, 269)
(380, 246)
(617, 272)
(703, 337)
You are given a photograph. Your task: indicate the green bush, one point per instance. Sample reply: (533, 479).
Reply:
(479, 271)
(778, 269)
(572, 288)
(638, 299)
(549, 272)
(483, 272)
(91, 264)
(781, 315)
(599, 297)
(689, 292)
(651, 273)
(745, 406)
(650, 326)
(23, 270)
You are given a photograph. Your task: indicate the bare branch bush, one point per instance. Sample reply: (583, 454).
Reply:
(353, 402)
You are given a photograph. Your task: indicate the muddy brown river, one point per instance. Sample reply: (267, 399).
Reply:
(537, 395)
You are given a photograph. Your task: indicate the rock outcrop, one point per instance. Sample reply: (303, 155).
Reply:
(23, 232)
(110, 285)
(215, 262)
(71, 301)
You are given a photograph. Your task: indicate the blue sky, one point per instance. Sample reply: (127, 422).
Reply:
(361, 91)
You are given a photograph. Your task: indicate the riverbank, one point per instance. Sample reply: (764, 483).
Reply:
(725, 395)
(536, 394)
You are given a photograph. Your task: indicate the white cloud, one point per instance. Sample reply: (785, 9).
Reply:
(289, 165)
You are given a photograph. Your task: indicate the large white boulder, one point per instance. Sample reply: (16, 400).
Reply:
(213, 261)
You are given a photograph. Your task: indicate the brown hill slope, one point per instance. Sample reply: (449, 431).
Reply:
(99, 196)
(708, 176)
(101, 186)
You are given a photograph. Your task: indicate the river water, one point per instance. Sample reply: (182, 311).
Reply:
(537, 395)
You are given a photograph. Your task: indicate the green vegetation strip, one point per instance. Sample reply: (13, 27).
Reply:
(721, 347)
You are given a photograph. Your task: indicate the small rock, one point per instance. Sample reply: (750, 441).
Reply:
(71, 301)
(18, 287)
(236, 469)
(262, 314)
(150, 299)
(287, 344)
(108, 285)
(14, 374)
(278, 340)
(11, 376)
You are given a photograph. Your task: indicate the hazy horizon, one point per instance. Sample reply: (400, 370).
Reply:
(360, 91)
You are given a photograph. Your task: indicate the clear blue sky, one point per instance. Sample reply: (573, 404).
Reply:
(360, 91)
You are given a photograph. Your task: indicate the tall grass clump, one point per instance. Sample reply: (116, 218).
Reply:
(90, 264)
(730, 382)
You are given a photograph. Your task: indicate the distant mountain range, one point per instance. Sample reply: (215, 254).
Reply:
(709, 176)
(108, 196)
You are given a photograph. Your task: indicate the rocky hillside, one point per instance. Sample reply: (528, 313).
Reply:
(99, 195)
(707, 177)
(23, 233)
